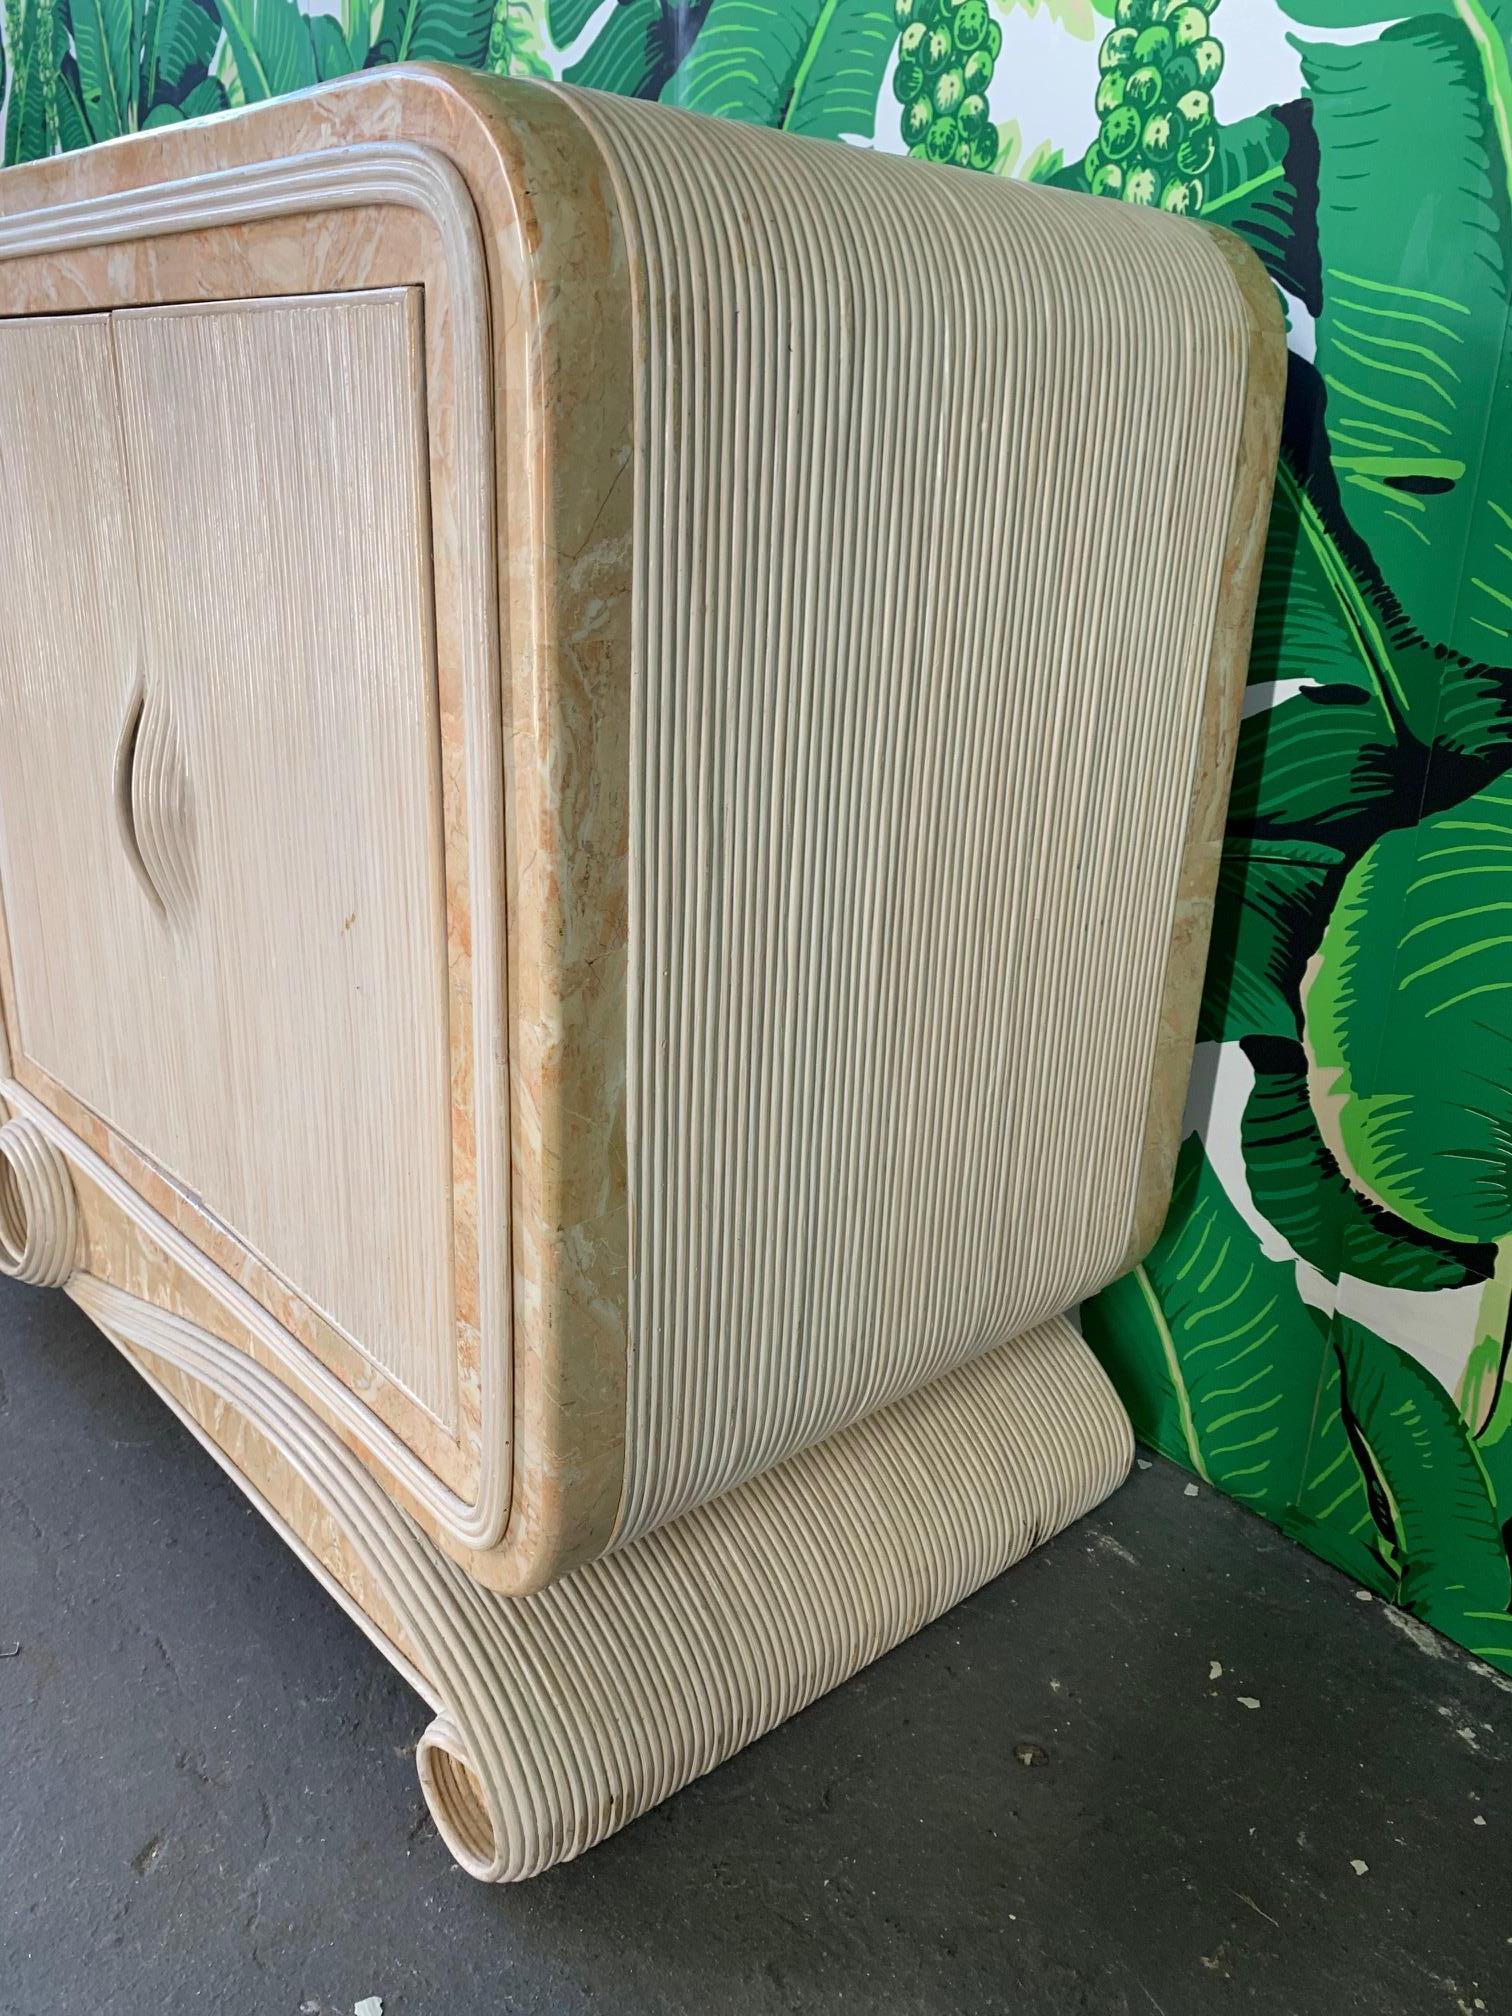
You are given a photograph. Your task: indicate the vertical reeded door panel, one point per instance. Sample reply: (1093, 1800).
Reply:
(70, 665)
(289, 797)
(220, 788)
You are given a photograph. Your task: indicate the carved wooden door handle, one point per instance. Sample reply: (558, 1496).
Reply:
(154, 803)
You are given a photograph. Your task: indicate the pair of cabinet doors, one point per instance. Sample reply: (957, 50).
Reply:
(220, 790)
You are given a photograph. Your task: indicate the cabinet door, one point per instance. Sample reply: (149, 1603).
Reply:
(273, 912)
(82, 945)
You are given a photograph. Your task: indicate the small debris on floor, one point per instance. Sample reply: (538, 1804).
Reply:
(1360, 1868)
(11, 1651)
(1215, 1670)
(1191, 1491)
(1248, 1701)
(1363, 1596)
(1031, 1753)
(1143, 1462)
(1479, 1820)
(370, 2005)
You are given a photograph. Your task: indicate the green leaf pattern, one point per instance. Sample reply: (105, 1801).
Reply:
(1212, 1348)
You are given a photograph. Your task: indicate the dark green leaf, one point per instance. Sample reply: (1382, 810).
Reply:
(1273, 901)
(107, 38)
(1261, 186)
(333, 58)
(207, 97)
(437, 31)
(73, 130)
(1332, 1514)
(1430, 1497)
(1297, 1187)
(26, 136)
(627, 56)
(1321, 766)
(1315, 620)
(1406, 1019)
(1211, 1346)
(566, 19)
(1419, 418)
(179, 37)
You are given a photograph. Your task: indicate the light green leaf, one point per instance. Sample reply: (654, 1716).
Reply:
(270, 45)
(1298, 1187)
(1273, 900)
(1211, 1347)
(1018, 162)
(809, 66)
(1406, 1019)
(1489, 1412)
(1077, 17)
(1484, 1374)
(1429, 1493)
(357, 17)
(1419, 416)
(516, 40)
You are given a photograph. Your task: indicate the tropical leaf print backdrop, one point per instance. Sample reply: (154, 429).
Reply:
(1322, 1328)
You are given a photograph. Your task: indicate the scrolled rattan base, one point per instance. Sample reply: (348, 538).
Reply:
(564, 1715)
(39, 1216)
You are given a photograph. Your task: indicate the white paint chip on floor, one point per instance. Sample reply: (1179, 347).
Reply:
(1215, 1669)
(1360, 1868)
(370, 2005)
(1191, 1492)
(1248, 1701)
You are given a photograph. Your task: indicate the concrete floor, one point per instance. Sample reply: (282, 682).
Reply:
(210, 1804)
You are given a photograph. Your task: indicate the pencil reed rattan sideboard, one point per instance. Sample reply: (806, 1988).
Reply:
(589, 969)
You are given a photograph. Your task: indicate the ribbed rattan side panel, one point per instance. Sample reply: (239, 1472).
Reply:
(933, 482)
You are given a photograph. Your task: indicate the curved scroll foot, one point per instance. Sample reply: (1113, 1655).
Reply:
(563, 1715)
(39, 1214)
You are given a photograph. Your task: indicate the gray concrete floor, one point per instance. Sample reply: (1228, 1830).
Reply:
(209, 1800)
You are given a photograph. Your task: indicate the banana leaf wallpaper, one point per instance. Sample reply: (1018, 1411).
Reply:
(1322, 1329)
